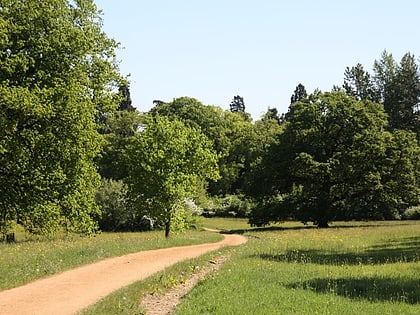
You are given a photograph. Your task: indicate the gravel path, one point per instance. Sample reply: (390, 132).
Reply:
(73, 290)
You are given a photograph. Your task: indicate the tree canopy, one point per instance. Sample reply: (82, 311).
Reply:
(336, 161)
(167, 162)
(57, 72)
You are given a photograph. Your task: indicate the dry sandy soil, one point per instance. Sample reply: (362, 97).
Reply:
(73, 290)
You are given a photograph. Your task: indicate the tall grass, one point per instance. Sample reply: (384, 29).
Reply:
(30, 259)
(371, 268)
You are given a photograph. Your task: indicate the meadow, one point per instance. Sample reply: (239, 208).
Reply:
(350, 268)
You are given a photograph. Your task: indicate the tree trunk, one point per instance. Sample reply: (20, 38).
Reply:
(323, 223)
(167, 228)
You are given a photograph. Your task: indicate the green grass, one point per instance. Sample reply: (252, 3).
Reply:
(127, 300)
(30, 259)
(371, 268)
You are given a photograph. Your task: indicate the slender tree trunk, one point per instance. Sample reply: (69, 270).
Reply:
(167, 228)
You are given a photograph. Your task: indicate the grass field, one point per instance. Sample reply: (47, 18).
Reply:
(350, 268)
(29, 259)
(370, 268)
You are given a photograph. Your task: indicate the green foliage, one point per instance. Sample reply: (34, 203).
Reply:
(56, 76)
(412, 213)
(167, 162)
(232, 136)
(122, 125)
(336, 161)
(396, 86)
(184, 215)
(238, 206)
(111, 199)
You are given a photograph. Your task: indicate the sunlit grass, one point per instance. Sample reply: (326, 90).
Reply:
(373, 268)
(27, 260)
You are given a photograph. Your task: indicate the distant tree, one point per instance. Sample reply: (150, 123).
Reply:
(122, 127)
(237, 104)
(396, 86)
(299, 94)
(126, 103)
(358, 83)
(229, 133)
(167, 162)
(405, 113)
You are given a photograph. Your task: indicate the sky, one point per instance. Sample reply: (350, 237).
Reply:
(261, 50)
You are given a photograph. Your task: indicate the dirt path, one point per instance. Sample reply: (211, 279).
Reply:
(74, 290)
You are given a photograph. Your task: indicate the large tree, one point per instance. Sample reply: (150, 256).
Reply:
(56, 79)
(335, 160)
(167, 162)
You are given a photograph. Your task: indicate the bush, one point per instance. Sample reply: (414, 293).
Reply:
(110, 197)
(184, 216)
(412, 213)
(229, 206)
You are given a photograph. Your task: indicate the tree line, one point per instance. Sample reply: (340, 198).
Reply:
(75, 154)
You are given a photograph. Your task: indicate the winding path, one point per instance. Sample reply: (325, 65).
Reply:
(73, 290)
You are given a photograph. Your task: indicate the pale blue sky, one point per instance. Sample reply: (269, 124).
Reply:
(215, 49)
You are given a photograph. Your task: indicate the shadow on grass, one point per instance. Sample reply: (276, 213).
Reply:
(356, 224)
(371, 288)
(401, 250)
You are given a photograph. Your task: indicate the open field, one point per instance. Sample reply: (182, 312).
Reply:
(372, 268)
(30, 259)
(351, 268)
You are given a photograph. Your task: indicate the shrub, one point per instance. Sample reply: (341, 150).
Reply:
(184, 216)
(229, 206)
(110, 197)
(412, 213)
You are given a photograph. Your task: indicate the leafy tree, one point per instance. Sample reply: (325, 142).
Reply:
(229, 133)
(334, 161)
(167, 162)
(56, 75)
(299, 94)
(122, 127)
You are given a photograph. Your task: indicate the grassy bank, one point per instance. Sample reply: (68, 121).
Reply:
(30, 259)
(370, 268)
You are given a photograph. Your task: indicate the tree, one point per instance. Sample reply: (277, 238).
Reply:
(167, 162)
(299, 94)
(237, 105)
(405, 114)
(122, 126)
(358, 83)
(334, 161)
(56, 74)
(229, 133)
(126, 103)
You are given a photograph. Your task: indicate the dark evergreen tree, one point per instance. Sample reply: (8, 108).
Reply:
(126, 103)
(237, 104)
(358, 83)
(299, 94)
